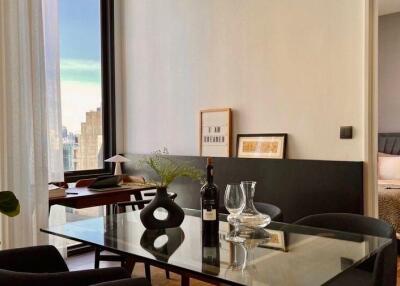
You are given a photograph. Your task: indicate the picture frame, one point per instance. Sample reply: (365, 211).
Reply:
(216, 132)
(267, 146)
(277, 240)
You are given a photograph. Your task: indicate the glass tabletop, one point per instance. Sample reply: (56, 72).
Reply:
(293, 255)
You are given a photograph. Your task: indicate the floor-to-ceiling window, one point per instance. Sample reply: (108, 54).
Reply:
(86, 85)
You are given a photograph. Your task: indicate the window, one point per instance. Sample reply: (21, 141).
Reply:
(87, 83)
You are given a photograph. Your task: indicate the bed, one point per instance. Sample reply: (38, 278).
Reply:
(389, 179)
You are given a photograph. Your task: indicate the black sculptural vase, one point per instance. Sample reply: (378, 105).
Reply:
(162, 200)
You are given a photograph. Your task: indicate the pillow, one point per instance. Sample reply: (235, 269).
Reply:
(389, 167)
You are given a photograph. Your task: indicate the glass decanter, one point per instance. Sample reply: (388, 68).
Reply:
(250, 217)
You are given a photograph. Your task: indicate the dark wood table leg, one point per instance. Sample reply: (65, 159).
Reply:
(185, 280)
(129, 264)
(108, 209)
(97, 258)
(147, 271)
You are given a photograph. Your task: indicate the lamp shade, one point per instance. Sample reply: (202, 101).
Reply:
(117, 159)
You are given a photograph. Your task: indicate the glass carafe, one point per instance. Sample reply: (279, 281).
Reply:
(250, 217)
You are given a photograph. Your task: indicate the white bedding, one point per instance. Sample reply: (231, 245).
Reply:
(389, 202)
(389, 182)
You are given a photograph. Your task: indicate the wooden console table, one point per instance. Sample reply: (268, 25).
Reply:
(80, 198)
(85, 198)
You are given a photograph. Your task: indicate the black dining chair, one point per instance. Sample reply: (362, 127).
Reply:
(44, 266)
(379, 270)
(129, 262)
(273, 211)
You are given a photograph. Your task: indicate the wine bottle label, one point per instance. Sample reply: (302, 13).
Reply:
(209, 215)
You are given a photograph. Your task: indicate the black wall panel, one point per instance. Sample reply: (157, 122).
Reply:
(298, 187)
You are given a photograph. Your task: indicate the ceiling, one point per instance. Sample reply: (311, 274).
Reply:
(389, 6)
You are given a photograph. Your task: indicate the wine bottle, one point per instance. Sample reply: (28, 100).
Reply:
(209, 209)
(210, 260)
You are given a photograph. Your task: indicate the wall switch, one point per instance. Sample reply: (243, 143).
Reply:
(346, 132)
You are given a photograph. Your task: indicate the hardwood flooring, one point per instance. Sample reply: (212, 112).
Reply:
(86, 261)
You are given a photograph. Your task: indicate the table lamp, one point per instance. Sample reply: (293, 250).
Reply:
(117, 159)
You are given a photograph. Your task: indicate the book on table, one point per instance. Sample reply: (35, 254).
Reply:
(56, 191)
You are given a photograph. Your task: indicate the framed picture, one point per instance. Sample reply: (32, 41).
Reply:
(272, 146)
(276, 241)
(216, 132)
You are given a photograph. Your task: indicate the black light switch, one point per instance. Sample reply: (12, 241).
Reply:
(346, 132)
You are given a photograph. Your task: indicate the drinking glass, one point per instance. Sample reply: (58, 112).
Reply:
(235, 201)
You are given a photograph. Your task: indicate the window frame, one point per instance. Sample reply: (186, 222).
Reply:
(108, 94)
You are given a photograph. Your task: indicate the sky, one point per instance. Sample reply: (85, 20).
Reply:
(80, 50)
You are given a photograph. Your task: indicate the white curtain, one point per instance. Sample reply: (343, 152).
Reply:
(54, 124)
(52, 66)
(29, 119)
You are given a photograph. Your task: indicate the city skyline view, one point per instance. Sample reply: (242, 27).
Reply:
(80, 63)
(80, 84)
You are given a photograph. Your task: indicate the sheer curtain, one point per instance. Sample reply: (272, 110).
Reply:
(54, 124)
(29, 118)
(52, 68)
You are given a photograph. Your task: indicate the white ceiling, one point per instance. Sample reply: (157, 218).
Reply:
(389, 6)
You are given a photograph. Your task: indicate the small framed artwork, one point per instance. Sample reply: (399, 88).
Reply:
(216, 132)
(271, 146)
(276, 241)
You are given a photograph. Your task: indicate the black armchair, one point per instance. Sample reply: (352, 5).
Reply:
(44, 266)
(378, 270)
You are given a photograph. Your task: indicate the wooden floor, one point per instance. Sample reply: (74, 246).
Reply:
(86, 261)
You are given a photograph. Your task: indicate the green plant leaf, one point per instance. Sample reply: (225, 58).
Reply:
(9, 204)
(168, 169)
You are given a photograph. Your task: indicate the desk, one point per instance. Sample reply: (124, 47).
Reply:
(311, 256)
(86, 198)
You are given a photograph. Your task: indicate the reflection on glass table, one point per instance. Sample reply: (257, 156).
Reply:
(162, 243)
(310, 256)
(249, 241)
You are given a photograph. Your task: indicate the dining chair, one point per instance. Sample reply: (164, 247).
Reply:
(380, 269)
(273, 211)
(44, 266)
(129, 262)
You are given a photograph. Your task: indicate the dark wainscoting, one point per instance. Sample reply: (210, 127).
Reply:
(298, 187)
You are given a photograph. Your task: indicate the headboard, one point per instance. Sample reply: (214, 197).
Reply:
(389, 143)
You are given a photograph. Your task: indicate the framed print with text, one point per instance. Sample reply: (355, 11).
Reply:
(276, 241)
(271, 146)
(216, 132)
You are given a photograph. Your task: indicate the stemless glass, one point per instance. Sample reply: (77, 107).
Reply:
(235, 201)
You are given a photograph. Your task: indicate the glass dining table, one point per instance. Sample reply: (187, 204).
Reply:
(291, 255)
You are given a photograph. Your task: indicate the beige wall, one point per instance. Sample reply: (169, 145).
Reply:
(389, 72)
(282, 65)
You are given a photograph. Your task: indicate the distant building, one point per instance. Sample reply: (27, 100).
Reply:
(70, 146)
(90, 142)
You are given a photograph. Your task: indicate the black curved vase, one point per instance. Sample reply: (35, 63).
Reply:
(162, 200)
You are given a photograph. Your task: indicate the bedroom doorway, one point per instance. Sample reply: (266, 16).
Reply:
(388, 167)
